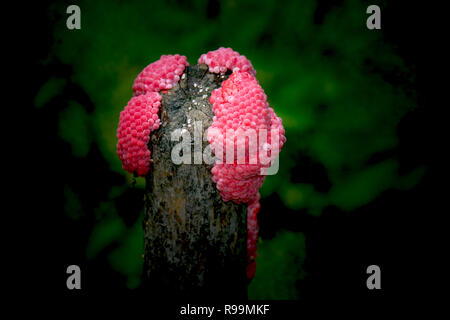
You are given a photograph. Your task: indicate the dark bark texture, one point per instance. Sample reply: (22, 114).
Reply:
(195, 243)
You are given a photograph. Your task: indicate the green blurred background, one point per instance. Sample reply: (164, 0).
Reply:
(346, 94)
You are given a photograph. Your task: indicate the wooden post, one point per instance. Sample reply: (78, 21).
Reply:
(195, 244)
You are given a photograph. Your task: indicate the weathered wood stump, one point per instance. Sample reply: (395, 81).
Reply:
(195, 244)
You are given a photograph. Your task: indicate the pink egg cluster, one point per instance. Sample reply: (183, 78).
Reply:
(240, 105)
(137, 120)
(223, 59)
(140, 116)
(160, 75)
(252, 235)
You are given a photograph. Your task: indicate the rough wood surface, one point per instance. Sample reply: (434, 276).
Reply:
(195, 244)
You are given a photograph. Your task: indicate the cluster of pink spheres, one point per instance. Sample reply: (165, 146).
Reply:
(252, 235)
(223, 59)
(160, 75)
(239, 104)
(137, 120)
(140, 116)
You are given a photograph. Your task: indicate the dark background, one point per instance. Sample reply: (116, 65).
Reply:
(356, 186)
